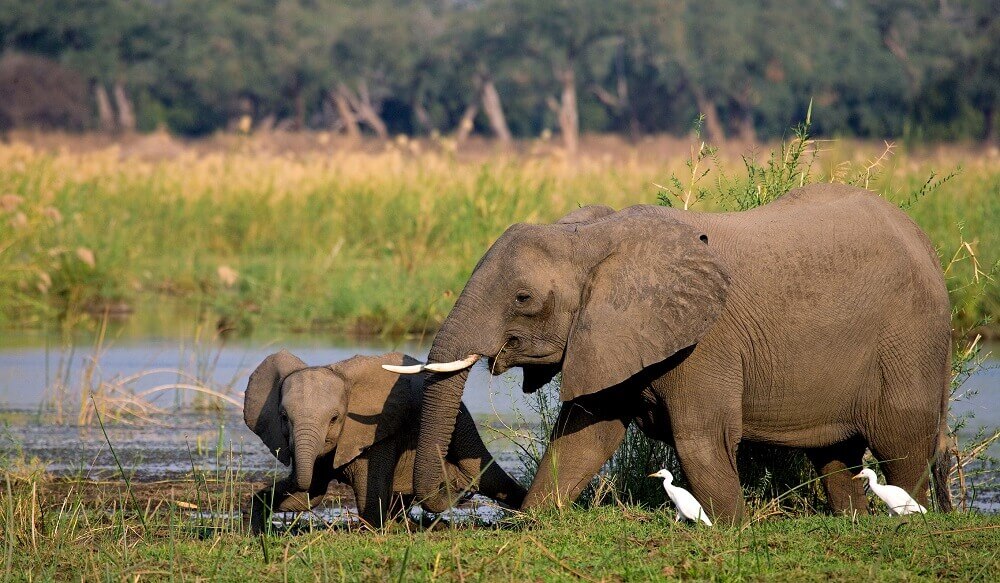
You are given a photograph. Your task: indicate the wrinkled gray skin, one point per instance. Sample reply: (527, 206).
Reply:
(819, 321)
(355, 423)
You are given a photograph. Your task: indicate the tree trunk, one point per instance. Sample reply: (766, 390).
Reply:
(494, 112)
(300, 110)
(359, 108)
(913, 76)
(620, 106)
(126, 113)
(746, 128)
(267, 123)
(366, 111)
(744, 104)
(634, 129)
(712, 130)
(466, 123)
(342, 102)
(423, 118)
(105, 115)
(990, 121)
(329, 119)
(566, 111)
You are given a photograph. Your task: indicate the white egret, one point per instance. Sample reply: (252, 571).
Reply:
(896, 498)
(687, 505)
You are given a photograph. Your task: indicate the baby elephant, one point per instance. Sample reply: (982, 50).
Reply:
(355, 423)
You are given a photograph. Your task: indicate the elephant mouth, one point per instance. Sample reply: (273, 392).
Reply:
(504, 362)
(525, 351)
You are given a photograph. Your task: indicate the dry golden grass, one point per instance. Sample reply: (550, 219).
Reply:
(308, 230)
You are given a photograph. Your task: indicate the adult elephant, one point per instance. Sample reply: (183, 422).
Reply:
(819, 321)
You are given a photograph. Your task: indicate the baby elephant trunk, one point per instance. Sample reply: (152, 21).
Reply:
(307, 444)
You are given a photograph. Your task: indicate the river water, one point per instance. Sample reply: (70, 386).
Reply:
(37, 371)
(45, 378)
(29, 370)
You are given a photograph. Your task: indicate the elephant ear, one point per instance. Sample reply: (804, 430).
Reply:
(379, 403)
(658, 289)
(262, 402)
(586, 214)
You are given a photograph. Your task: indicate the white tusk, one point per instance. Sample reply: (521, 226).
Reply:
(412, 369)
(452, 366)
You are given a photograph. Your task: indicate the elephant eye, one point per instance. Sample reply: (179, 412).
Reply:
(522, 297)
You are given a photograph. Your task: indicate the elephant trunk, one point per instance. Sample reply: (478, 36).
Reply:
(438, 413)
(442, 398)
(307, 444)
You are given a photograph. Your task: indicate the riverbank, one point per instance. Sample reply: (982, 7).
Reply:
(62, 533)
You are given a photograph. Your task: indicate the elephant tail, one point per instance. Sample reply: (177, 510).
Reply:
(942, 467)
(943, 457)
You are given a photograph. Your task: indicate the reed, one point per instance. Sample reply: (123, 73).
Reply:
(378, 239)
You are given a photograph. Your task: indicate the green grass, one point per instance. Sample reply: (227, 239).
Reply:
(368, 242)
(604, 543)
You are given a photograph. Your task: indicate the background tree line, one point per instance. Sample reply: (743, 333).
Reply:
(921, 69)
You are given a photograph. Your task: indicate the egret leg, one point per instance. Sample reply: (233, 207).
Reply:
(837, 464)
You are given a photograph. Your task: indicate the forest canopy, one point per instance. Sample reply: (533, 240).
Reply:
(920, 69)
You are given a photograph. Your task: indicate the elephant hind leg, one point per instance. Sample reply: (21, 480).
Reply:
(903, 432)
(906, 463)
(837, 464)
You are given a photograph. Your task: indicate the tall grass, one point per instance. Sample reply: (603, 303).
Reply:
(66, 531)
(377, 241)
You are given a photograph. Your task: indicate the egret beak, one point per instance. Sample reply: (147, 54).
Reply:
(652, 476)
(858, 477)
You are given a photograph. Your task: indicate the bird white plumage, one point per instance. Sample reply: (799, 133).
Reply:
(687, 505)
(897, 499)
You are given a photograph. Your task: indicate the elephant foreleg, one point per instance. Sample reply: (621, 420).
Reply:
(706, 431)
(283, 496)
(371, 478)
(710, 467)
(581, 443)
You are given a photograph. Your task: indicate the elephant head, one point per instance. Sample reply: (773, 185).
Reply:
(598, 296)
(302, 413)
